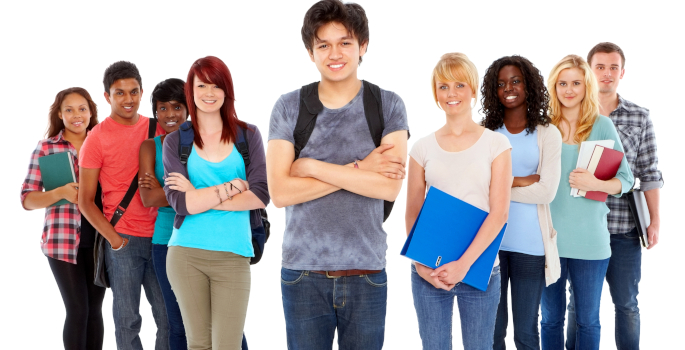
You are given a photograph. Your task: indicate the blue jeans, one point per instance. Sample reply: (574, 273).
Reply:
(527, 276)
(177, 333)
(477, 311)
(623, 277)
(315, 305)
(587, 278)
(128, 269)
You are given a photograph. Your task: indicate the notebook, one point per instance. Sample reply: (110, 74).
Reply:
(56, 171)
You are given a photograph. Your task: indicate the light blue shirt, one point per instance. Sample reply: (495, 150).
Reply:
(523, 233)
(217, 230)
(164, 224)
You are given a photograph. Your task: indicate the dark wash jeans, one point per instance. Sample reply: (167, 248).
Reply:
(315, 305)
(587, 278)
(526, 274)
(177, 333)
(130, 268)
(623, 277)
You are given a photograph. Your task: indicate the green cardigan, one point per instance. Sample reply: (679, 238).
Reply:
(581, 223)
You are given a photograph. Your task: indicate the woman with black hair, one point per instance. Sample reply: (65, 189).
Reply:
(170, 109)
(515, 103)
(68, 238)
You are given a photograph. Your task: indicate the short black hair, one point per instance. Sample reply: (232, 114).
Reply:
(171, 89)
(537, 97)
(350, 15)
(121, 70)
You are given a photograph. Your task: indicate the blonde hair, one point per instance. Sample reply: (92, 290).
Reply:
(589, 108)
(455, 66)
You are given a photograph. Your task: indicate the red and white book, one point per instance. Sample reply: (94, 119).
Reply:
(604, 164)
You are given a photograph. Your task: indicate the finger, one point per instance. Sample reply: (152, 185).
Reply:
(437, 271)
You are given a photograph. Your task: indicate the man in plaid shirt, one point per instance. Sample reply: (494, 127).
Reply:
(637, 135)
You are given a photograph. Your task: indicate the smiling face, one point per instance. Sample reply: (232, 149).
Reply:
(208, 97)
(454, 97)
(336, 52)
(608, 70)
(171, 114)
(75, 113)
(570, 87)
(511, 90)
(124, 97)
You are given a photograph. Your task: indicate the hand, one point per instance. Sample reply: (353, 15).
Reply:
(582, 179)
(178, 182)
(148, 181)
(300, 167)
(425, 273)
(652, 235)
(119, 243)
(384, 164)
(240, 184)
(69, 192)
(452, 272)
(525, 180)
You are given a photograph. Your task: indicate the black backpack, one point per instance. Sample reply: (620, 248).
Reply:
(260, 234)
(310, 107)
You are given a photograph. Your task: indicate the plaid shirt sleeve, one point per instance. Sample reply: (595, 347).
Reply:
(33, 180)
(646, 162)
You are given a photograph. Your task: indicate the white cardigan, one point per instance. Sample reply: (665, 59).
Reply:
(542, 193)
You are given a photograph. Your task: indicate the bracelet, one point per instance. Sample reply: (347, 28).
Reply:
(232, 187)
(227, 194)
(356, 166)
(123, 242)
(216, 189)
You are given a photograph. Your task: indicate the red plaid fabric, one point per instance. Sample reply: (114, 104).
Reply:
(62, 228)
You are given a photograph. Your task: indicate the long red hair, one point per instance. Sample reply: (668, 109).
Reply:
(212, 70)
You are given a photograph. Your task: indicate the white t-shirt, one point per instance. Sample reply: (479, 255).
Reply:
(465, 174)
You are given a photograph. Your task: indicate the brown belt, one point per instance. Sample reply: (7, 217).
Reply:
(346, 273)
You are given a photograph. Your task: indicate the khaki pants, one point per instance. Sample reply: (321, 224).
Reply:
(212, 289)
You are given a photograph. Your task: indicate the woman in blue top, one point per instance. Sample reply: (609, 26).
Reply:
(208, 263)
(515, 102)
(583, 236)
(169, 108)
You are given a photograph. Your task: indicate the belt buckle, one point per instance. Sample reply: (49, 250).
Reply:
(329, 276)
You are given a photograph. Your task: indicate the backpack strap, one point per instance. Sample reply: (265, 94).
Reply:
(310, 107)
(242, 146)
(133, 187)
(373, 109)
(185, 141)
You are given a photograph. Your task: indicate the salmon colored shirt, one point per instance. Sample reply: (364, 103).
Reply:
(113, 148)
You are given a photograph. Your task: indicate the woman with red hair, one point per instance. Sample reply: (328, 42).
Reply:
(208, 262)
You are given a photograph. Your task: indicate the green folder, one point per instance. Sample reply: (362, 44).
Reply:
(57, 170)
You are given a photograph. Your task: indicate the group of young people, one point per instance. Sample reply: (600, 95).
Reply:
(336, 158)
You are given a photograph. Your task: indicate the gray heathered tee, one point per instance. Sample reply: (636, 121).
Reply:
(343, 230)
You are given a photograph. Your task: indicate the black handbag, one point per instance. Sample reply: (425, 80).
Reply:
(101, 279)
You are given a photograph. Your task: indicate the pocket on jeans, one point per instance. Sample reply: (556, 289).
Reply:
(291, 277)
(379, 279)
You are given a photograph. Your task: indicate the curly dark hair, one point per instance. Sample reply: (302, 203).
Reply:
(537, 98)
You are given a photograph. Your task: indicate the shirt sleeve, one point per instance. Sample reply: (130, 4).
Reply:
(646, 162)
(500, 144)
(256, 171)
(394, 113)
(624, 174)
(33, 180)
(91, 152)
(418, 152)
(281, 124)
(172, 164)
(544, 191)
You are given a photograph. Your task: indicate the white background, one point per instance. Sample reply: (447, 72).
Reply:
(52, 46)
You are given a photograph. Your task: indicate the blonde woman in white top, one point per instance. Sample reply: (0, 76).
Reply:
(472, 163)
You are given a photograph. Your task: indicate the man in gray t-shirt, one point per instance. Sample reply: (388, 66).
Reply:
(334, 245)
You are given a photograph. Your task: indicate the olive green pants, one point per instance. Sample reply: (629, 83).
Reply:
(212, 289)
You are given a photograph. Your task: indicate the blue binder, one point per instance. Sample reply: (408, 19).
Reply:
(443, 231)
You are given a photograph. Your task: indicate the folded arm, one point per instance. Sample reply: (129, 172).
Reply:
(544, 190)
(151, 192)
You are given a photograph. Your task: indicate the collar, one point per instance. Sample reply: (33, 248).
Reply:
(621, 103)
(57, 138)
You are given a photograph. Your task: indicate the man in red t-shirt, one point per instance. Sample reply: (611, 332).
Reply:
(110, 155)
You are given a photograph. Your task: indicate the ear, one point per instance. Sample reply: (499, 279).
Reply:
(311, 54)
(141, 91)
(623, 71)
(362, 48)
(107, 98)
(59, 114)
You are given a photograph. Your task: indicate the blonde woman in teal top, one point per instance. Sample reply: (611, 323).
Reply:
(581, 224)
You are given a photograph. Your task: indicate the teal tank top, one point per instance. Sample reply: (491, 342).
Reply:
(216, 230)
(165, 215)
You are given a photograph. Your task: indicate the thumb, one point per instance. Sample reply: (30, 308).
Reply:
(437, 271)
(384, 147)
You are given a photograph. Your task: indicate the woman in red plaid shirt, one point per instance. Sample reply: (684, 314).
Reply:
(68, 239)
